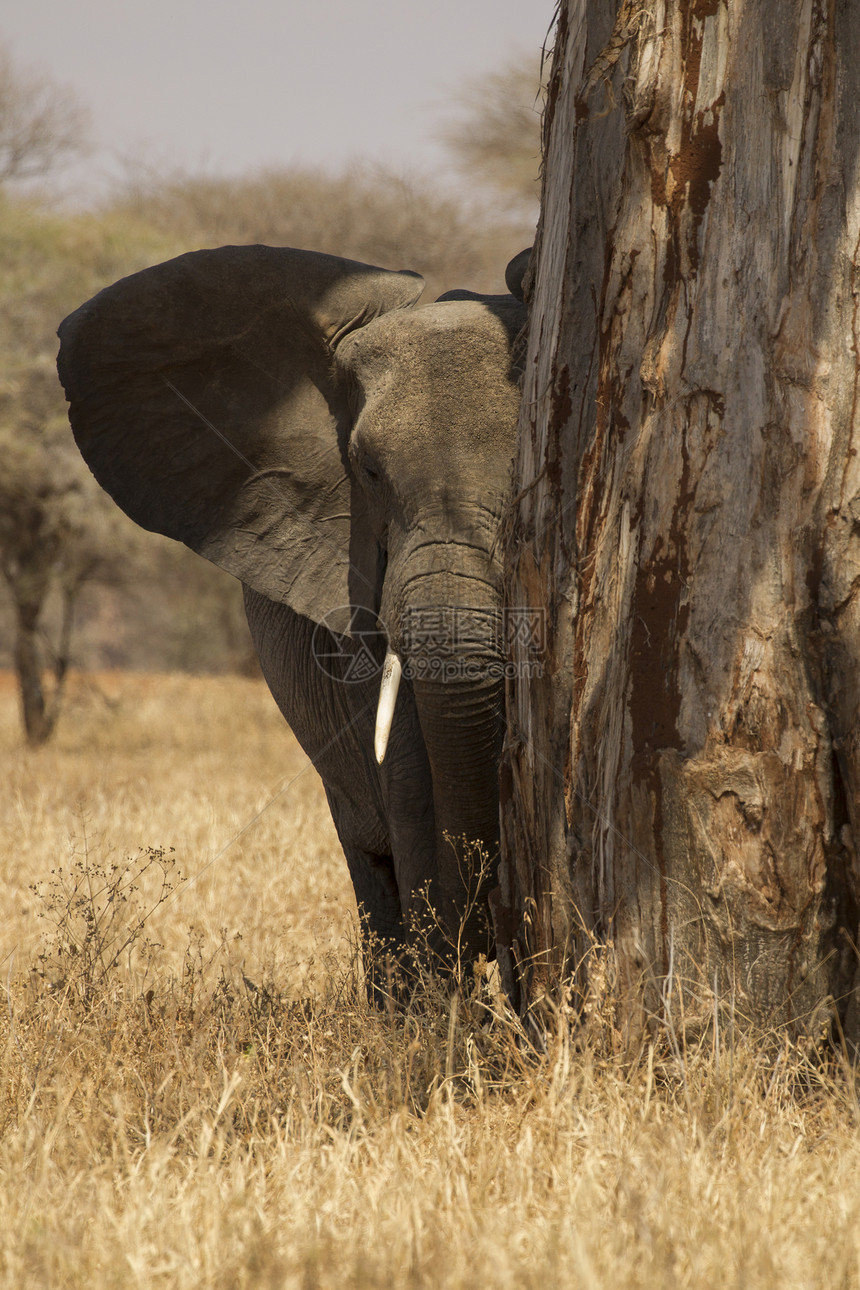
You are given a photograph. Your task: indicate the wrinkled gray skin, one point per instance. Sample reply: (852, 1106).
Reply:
(296, 419)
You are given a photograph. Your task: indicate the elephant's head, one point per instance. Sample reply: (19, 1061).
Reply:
(294, 418)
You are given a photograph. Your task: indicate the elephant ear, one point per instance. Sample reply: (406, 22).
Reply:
(204, 396)
(516, 271)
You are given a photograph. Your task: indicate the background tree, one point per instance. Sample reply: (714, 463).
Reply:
(683, 781)
(42, 124)
(494, 135)
(57, 530)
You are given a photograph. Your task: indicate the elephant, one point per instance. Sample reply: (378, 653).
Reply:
(301, 421)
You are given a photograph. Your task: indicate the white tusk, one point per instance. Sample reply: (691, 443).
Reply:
(391, 673)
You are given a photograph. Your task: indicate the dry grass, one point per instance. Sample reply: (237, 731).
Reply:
(187, 763)
(228, 1113)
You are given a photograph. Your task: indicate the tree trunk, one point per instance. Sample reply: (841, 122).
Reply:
(681, 785)
(40, 712)
(28, 668)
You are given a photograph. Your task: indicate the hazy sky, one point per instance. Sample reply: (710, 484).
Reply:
(224, 86)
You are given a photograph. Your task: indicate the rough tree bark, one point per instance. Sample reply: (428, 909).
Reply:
(682, 782)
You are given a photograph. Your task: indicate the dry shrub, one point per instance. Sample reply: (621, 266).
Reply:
(178, 1111)
(367, 213)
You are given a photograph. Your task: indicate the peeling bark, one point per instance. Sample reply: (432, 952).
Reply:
(683, 781)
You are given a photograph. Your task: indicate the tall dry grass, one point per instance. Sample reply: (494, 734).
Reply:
(195, 1093)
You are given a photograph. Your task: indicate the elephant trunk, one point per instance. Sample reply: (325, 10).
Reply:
(462, 725)
(447, 631)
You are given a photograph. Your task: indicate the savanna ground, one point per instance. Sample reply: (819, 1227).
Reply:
(198, 1096)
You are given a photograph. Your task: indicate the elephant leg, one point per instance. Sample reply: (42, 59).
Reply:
(383, 938)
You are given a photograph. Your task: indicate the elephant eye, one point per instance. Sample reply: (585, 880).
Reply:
(366, 466)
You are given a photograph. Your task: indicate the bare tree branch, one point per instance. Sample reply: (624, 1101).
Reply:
(41, 123)
(495, 135)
